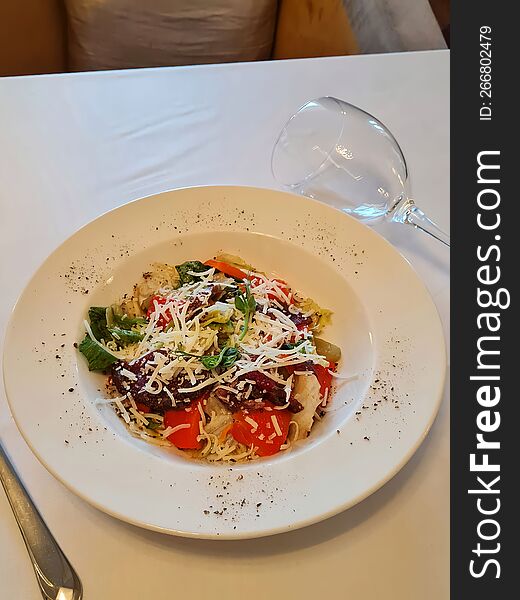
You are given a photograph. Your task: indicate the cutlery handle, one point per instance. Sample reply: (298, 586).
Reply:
(55, 575)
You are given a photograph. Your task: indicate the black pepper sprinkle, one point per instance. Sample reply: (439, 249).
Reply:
(71, 389)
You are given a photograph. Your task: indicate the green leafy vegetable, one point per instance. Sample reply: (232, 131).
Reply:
(126, 321)
(226, 358)
(116, 318)
(153, 425)
(245, 303)
(98, 322)
(125, 336)
(194, 266)
(290, 346)
(98, 358)
(108, 325)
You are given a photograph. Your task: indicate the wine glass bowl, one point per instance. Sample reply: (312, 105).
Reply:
(335, 152)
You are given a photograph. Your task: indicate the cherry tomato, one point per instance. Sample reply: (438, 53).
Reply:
(187, 437)
(264, 435)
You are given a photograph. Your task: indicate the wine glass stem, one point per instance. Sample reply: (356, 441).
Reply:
(407, 212)
(418, 219)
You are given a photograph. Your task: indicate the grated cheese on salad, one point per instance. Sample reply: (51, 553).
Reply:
(198, 356)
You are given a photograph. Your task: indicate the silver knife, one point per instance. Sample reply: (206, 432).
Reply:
(56, 577)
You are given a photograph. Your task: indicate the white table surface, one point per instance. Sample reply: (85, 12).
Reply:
(74, 146)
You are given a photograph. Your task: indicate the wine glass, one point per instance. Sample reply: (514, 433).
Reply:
(335, 152)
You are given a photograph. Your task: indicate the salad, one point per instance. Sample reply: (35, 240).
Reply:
(217, 359)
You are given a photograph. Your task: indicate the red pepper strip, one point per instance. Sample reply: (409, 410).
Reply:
(163, 320)
(229, 270)
(187, 437)
(324, 377)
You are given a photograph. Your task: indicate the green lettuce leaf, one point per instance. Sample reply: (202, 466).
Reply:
(116, 318)
(107, 325)
(125, 336)
(98, 323)
(98, 358)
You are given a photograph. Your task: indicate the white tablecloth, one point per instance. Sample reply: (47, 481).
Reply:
(74, 146)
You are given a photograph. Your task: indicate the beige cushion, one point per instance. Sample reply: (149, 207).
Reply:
(113, 34)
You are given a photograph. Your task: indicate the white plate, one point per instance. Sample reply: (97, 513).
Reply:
(384, 320)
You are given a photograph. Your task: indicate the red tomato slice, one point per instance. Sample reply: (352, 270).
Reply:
(185, 438)
(229, 270)
(264, 436)
(324, 377)
(163, 320)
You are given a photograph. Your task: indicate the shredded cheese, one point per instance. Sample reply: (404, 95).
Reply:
(183, 327)
(251, 422)
(276, 425)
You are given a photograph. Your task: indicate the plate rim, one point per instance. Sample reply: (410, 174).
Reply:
(238, 534)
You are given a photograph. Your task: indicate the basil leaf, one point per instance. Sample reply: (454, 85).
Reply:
(225, 358)
(291, 346)
(229, 357)
(190, 265)
(125, 336)
(98, 358)
(98, 323)
(240, 303)
(212, 361)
